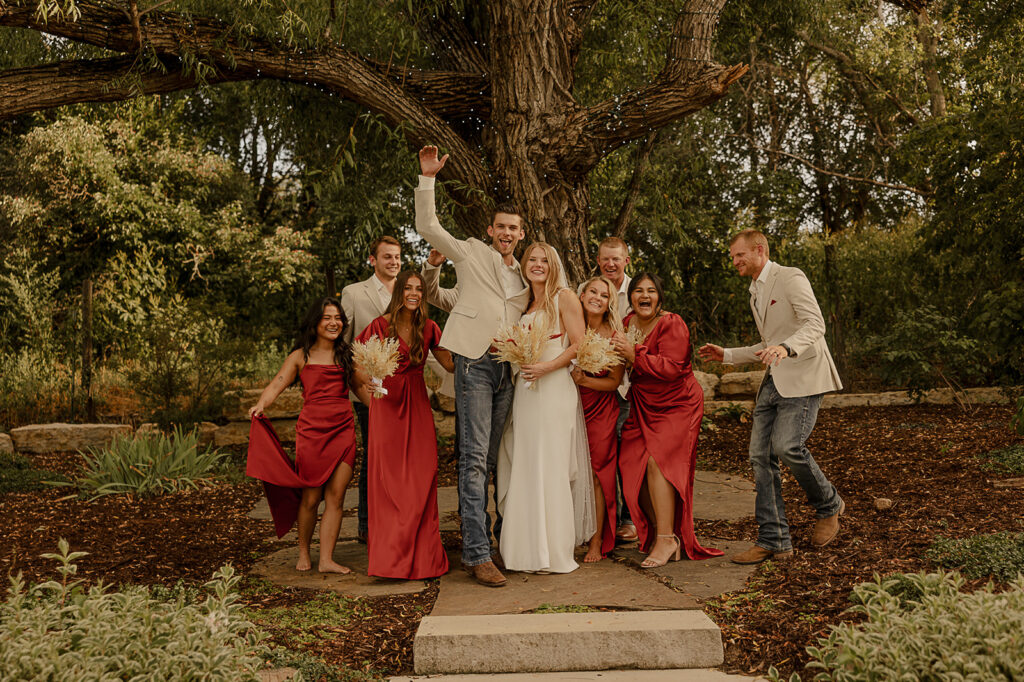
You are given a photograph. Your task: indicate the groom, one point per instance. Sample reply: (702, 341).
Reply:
(491, 293)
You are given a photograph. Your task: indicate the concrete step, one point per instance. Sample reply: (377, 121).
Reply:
(554, 642)
(676, 675)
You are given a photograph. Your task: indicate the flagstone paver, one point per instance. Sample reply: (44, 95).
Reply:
(678, 675)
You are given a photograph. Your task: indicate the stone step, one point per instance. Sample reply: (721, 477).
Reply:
(554, 642)
(676, 675)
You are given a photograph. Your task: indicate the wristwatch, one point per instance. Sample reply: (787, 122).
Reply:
(789, 351)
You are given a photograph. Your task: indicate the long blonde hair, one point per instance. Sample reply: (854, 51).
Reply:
(611, 316)
(551, 286)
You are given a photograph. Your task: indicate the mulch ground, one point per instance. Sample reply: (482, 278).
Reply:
(921, 457)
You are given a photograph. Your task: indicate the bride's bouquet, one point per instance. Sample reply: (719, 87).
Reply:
(379, 358)
(521, 345)
(595, 353)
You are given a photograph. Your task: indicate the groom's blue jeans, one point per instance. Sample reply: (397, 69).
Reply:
(779, 433)
(483, 396)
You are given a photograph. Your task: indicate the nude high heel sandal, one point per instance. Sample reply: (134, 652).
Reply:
(654, 563)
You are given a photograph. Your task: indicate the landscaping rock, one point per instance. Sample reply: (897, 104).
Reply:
(287, 405)
(737, 384)
(445, 424)
(708, 382)
(237, 433)
(41, 438)
(442, 402)
(147, 429)
(206, 431)
(277, 674)
(6, 444)
(883, 503)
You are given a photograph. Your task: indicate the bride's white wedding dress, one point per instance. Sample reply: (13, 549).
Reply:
(545, 487)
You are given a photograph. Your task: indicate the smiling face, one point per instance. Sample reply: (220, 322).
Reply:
(644, 299)
(506, 232)
(612, 261)
(412, 294)
(595, 298)
(536, 265)
(331, 324)
(748, 257)
(387, 262)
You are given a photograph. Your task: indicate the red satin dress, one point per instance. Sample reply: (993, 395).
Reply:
(601, 411)
(404, 530)
(666, 407)
(324, 438)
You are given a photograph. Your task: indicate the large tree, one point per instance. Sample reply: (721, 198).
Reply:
(492, 83)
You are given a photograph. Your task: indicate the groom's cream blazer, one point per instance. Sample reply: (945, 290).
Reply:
(792, 316)
(480, 306)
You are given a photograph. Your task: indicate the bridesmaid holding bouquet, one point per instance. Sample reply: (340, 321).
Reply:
(405, 536)
(600, 410)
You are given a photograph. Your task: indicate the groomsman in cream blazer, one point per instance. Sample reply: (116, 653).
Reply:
(491, 292)
(363, 302)
(800, 371)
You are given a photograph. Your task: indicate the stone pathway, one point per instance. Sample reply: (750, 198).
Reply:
(666, 595)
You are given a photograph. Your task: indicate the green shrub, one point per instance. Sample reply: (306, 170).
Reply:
(60, 631)
(1006, 461)
(1000, 555)
(921, 627)
(149, 465)
(17, 474)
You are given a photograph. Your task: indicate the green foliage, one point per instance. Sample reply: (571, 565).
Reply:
(1000, 555)
(150, 464)
(922, 627)
(59, 630)
(1005, 461)
(18, 475)
(306, 623)
(924, 347)
(311, 667)
(563, 608)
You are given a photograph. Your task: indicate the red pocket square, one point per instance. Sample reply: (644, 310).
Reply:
(773, 302)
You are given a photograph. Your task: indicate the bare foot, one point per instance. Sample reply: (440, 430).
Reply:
(593, 554)
(330, 566)
(303, 564)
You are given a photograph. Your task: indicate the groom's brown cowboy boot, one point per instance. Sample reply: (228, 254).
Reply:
(487, 574)
(826, 530)
(756, 555)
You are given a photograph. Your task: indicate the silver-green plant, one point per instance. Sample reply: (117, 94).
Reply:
(60, 631)
(150, 464)
(921, 627)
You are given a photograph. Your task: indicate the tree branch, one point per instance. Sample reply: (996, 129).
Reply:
(643, 155)
(851, 178)
(46, 86)
(688, 82)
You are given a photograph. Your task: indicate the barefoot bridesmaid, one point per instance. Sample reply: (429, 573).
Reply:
(325, 445)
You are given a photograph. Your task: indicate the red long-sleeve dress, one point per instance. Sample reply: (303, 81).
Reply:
(666, 407)
(601, 411)
(404, 529)
(324, 437)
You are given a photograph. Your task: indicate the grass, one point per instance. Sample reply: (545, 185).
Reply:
(1006, 461)
(564, 608)
(1000, 555)
(305, 624)
(18, 475)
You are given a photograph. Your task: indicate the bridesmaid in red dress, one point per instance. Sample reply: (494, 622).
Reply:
(659, 440)
(405, 534)
(600, 411)
(325, 446)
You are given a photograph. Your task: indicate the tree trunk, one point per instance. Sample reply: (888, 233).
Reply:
(928, 37)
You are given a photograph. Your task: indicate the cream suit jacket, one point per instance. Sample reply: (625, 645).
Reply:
(480, 307)
(793, 317)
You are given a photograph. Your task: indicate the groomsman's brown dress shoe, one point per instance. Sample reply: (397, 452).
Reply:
(756, 555)
(826, 530)
(487, 574)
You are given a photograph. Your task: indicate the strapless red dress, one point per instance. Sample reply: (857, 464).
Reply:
(324, 438)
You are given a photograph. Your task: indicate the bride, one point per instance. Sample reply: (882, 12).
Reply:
(545, 489)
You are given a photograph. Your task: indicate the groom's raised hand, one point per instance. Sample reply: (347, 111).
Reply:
(429, 163)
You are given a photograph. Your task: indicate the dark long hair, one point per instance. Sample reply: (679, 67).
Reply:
(655, 280)
(307, 335)
(419, 318)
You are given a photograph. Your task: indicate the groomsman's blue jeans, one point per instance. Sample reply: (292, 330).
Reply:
(483, 396)
(779, 433)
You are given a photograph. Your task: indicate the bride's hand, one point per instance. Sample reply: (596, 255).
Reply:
(536, 370)
(577, 375)
(624, 347)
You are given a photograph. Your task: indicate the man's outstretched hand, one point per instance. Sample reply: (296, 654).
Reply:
(435, 258)
(710, 351)
(429, 163)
